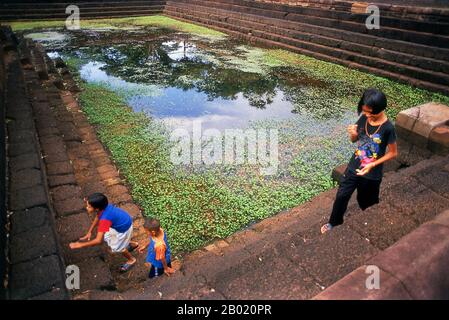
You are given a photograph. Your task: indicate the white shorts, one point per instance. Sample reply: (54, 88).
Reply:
(117, 241)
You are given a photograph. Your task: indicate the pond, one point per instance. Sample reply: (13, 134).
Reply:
(156, 80)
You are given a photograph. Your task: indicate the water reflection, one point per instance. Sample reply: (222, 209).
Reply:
(178, 79)
(180, 107)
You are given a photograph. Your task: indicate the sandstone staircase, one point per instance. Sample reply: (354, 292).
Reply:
(412, 44)
(48, 10)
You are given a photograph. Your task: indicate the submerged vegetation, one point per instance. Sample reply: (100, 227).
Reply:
(351, 83)
(197, 205)
(194, 207)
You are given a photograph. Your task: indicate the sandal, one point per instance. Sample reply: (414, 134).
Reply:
(125, 267)
(130, 248)
(325, 228)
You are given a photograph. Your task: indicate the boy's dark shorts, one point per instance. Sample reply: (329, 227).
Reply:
(155, 272)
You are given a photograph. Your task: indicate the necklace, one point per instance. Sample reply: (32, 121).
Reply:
(377, 130)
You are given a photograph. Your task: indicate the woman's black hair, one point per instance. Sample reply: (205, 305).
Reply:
(98, 201)
(373, 98)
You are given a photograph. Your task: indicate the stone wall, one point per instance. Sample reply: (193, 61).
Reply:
(56, 10)
(36, 269)
(2, 172)
(422, 3)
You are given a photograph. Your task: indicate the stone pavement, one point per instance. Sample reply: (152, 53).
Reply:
(286, 257)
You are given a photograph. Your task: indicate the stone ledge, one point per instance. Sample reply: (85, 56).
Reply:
(26, 178)
(413, 268)
(415, 125)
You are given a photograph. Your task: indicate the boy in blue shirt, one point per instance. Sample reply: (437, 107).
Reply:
(115, 226)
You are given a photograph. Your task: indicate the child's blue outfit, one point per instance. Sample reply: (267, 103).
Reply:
(156, 250)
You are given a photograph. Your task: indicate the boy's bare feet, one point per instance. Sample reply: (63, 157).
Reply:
(326, 227)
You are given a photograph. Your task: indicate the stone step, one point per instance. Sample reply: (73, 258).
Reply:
(350, 36)
(80, 4)
(403, 10)
(386, 21)
(83, 11)
(93, 15)
(301, 32)
(300, 242)
(386, 32)
(414, 76)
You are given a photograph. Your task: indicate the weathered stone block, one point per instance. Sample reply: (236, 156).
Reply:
(70, 229)
(65, 192)
(17, 149)
(24, 161)
(26, 220)
(352, 287)
(26, 178)
(59, 168)
(95, 275)
(28, 198)
(421, 120)
(67, 179)
(132, 209)
(35, 277)
(33, 244)
(419, 261)
(439, 140)
(69, 206)
(22, 136)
